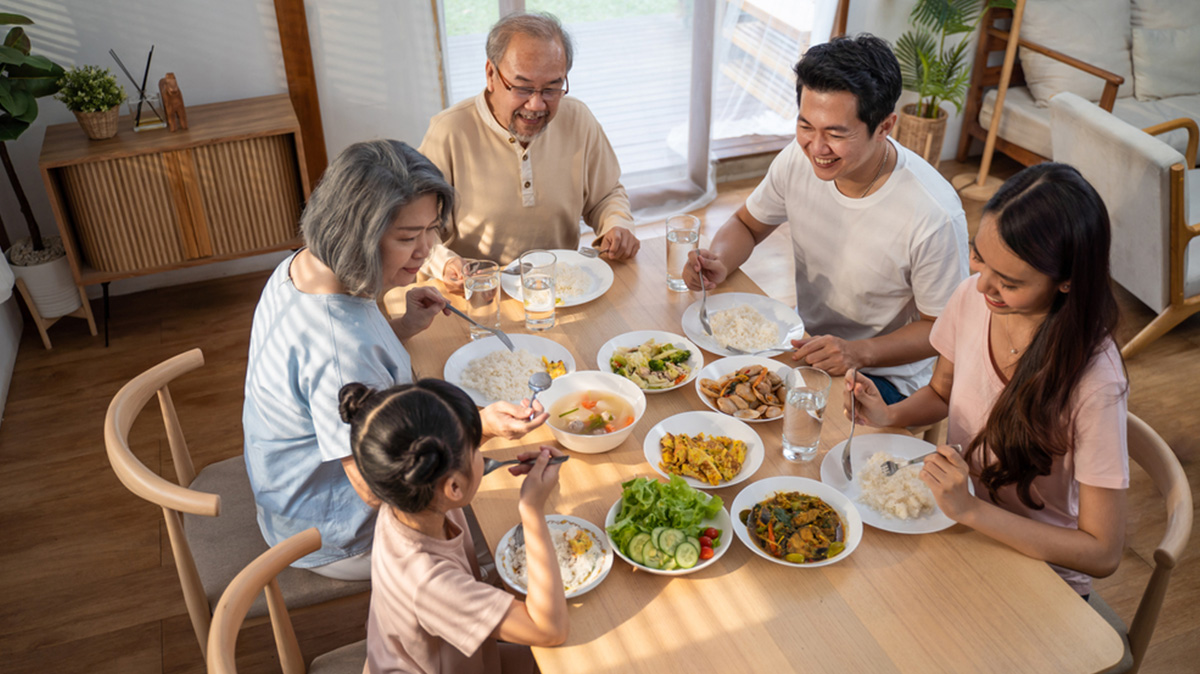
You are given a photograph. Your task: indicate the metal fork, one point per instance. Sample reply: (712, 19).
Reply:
(588, 251)
(889, 467)
(704, 306)
(846, 449)
(491, 464)
(503, 337)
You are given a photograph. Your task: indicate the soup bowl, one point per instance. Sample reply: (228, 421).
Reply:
(592, 380)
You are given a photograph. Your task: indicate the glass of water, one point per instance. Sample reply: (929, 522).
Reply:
(807, 391)
(683, 236)
(481, 287)
(537, 288)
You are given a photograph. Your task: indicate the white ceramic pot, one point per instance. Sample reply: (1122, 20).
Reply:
(52, 287)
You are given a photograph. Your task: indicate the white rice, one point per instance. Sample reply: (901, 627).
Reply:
(577, 570)
(902, 496)
(503, 374)
(571, 281)
(743, 327)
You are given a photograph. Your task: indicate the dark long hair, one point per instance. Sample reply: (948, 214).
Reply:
(1051, 218)
(407, 438)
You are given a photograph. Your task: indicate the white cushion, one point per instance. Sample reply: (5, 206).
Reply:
(1166, 62)
(1023, 122)
(1165, 13)
(1191, 265)
(1096, 32)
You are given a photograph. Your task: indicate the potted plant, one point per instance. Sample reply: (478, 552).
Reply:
(25, 77)
(933, 64)
(92, 93)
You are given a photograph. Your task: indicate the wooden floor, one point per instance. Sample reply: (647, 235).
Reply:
(87, 582)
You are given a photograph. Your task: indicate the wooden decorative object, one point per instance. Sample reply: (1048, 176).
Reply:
(921, 134)
(172, 102)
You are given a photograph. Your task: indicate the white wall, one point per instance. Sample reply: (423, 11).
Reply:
(375, 60)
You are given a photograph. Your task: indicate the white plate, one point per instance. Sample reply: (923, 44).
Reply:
(720, 368)
(757, 492)
(504, 561)
(538, 346)
(789, 322)
(601, 273)
(721, 522)
(863, 447)
(639, 337)
(709, 423)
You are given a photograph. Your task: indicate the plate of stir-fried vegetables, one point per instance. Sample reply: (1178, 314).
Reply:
(655, 360)
(795, 521)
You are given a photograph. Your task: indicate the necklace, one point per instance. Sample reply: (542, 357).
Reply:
(878, 172)
(1008, 334)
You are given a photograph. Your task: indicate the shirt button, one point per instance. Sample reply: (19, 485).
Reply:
(527, 184)
(524, 157)
(512, 140)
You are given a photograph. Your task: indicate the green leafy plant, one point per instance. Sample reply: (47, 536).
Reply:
(932, 59)
(24, 78)
(90, 89)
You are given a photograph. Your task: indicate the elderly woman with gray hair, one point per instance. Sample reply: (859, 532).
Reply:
(368, 227)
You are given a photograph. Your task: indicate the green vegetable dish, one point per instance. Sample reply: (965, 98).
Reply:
(659, 525)
(652, 366)
(795, 527)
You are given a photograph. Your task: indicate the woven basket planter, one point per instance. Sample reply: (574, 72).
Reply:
(99, 125)
(922, 135)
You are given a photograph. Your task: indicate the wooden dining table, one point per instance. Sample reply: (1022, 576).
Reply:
(952, 601)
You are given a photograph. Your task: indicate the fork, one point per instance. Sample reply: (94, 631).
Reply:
(890, 467)
(588, 251)
(846, 450)
(704, 305)
(491, 464)
(503, 337)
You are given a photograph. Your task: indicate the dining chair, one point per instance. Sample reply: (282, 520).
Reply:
(262, 576)
(210, 515)
(1151, 452)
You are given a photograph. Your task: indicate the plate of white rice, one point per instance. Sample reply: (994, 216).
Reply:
(584, 555)
(901, 503)
(489, 372)
(578, 279)
(745, 321)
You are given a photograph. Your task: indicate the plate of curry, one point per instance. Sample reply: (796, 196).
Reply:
(795, 521)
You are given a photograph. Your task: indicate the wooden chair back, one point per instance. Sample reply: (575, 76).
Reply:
(1151, 452)
(174, 499)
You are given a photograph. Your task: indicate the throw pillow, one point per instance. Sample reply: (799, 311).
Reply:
(1165, 62)
(1096, 32)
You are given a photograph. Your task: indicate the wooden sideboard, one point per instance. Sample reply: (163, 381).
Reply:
(230, 186)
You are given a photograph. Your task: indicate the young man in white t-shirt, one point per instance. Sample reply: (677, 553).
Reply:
(879, 237)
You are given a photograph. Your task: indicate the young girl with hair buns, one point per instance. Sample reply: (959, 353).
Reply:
(1031, 381)
(417, 448)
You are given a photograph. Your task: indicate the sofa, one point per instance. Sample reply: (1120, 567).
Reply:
(1138, 59)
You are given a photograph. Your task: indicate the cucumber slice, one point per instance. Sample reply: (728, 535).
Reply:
(670, 539)
(655, 534)
(653, 557)
(695, 541)
(637, 547)
(686, 555)
(670, 564)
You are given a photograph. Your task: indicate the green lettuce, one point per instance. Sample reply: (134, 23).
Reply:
(647, 503)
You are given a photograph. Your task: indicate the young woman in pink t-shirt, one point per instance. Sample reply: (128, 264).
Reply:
(1031, 381)
(417, 448)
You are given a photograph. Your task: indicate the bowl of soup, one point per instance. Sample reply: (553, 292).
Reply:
(591, 411)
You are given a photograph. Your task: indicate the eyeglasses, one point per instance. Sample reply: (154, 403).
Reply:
(524, 93)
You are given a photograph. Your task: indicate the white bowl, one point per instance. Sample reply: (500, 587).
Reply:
(711, 424)
(639, 337)
(721, 521)
(757, 492)
(725, 366)
(591, 380)
(504, 563)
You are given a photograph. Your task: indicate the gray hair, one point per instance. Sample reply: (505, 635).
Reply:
(357, 200)
(542, 25)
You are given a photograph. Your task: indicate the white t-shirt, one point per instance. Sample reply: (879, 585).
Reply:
(866, 267)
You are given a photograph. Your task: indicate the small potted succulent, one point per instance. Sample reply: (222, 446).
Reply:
(92, 93)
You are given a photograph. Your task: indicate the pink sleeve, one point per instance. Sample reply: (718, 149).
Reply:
(463, 611)
(1101, 449)
(943, 336)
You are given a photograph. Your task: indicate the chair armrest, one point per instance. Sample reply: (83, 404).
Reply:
(1111, 80)
(1193, 133)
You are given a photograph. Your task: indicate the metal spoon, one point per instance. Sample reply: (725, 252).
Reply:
(538, 382)
(491, 464)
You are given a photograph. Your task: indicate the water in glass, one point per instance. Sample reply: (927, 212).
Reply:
(683, 236)
(537, 289)
(804, 412)
(481, 286)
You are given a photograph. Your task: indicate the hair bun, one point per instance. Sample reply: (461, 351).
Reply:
(430, 459)
(351, 399)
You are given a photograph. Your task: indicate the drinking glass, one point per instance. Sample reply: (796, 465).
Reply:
(481, 286)
(537, 288)
(683, 236)
(804, 411)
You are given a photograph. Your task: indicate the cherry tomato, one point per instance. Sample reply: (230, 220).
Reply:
(706, 553)
(705, 542)
(712, 533)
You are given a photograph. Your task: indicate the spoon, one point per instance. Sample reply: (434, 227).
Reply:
(491, 464)
(538, 382)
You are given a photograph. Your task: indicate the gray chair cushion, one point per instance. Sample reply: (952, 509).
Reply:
(222, 546)
(348, 659)
(1110, 616)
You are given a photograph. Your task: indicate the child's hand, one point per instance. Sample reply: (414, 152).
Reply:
(947, 475)
(541, 477)
(872, 411)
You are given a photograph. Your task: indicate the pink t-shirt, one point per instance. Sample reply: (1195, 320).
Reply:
(1099, 457)
(429, 610)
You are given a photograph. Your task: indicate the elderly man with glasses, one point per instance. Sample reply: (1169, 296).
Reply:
(527, 162)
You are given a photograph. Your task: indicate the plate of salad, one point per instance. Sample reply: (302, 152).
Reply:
(655, 360)
(668, 528)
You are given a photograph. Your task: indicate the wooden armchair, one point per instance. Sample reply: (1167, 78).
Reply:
(210, 516)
